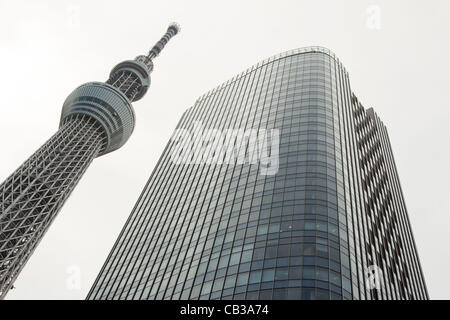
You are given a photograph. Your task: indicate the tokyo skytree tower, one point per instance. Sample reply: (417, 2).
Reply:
(97, 118)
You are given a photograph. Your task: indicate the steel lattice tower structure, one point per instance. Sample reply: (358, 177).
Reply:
(97, 118)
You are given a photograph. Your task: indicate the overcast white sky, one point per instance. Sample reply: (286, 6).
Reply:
(48, 48)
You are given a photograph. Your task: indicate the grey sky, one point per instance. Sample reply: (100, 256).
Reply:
(49, 48)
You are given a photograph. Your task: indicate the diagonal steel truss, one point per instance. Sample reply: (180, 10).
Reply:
(31, 197)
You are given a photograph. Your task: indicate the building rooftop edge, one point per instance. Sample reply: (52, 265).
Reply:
(278, 56)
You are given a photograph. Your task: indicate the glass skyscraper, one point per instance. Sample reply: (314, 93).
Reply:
(330, 223)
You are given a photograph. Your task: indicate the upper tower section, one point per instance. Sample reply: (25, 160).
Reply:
(132, 77)
(110, 103)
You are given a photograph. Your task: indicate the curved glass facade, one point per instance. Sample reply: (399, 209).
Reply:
(309, 231)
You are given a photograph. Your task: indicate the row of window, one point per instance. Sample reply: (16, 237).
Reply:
(193, 249)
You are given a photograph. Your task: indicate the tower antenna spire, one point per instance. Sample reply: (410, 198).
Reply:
(172, 30)
(132, 77)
